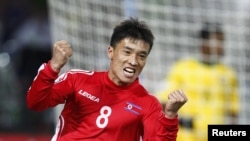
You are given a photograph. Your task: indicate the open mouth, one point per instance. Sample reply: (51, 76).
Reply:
(129, 72)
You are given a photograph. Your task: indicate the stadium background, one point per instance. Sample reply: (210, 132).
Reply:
(29, 28)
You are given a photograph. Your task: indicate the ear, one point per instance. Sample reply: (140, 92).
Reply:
(110, 52)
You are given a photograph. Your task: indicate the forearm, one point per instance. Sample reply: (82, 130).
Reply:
(38, 94)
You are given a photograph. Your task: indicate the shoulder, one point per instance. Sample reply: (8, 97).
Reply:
(152, 105)
(226, 69)
(143, 93)
(78, 74)
(151, 100)
(186, 62)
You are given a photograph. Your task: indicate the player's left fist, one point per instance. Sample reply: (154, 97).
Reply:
(176, 100)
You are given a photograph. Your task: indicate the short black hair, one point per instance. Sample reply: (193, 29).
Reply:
(132, 28)
(209, 28)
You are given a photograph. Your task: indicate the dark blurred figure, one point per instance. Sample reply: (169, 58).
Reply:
(12, 14)
(26, 40)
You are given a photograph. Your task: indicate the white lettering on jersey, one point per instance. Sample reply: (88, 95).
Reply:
(102, 120)
(89, 96)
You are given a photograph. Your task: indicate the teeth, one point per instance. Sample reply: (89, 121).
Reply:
(129, 70)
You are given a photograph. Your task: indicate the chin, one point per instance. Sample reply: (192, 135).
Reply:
(128, 81)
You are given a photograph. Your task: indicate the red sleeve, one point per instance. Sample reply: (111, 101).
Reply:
(168, 129)
(45, 92)
(157, 127)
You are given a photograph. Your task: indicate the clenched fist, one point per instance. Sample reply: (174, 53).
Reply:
(176, 100)
(61, 52)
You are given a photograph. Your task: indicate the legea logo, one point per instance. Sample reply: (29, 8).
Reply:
(89, 96)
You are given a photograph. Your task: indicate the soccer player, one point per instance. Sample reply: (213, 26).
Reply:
(210, 85)
(111, 105)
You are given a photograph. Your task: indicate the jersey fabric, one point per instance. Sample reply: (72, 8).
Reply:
(98, 110)
(212, 93)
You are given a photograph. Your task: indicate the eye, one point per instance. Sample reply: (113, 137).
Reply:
(127, 52)
(143, 56)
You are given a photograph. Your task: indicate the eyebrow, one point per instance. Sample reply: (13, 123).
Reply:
(129, 48)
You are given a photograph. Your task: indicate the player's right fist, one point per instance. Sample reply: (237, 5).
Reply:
(60, 54)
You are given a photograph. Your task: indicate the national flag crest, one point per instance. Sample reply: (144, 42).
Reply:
(133, 108)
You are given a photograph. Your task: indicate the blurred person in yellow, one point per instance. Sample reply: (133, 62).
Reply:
(211, 86)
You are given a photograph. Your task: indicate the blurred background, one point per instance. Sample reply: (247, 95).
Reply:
(25, 43)
(28, 29)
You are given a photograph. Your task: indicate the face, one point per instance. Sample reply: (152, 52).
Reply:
(212, 48)
(127, 60)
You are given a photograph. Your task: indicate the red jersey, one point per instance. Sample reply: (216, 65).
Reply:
(98, 110)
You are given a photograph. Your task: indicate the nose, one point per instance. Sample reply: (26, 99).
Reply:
(133, 60)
